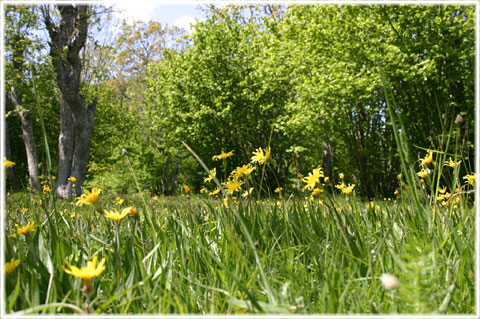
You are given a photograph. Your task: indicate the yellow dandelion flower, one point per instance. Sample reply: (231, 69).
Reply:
(313, 178)
(8, 163)
(88, 197)
(261, 156)
(470, 178)
(22, 231)
(215, 192)
(213, 173)
(46, 189)
(452, 163)
(427, 159)
(244, 170)
(232, 185)
(278, 190)
(11, 266)
(349, 189)
(422, 174)
(222, 156)
(116, 216)
(87, 273)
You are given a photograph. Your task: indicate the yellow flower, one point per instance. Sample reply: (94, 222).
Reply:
(260, 156)
(187, 189)
(130, 210)
(222, 156)
(72, 179)
(317, 191)
(88, 272)
(46, 189)
(470, 179)
(225, 202)
(10, 266)
(397, 192)
(278, 190)
(399, 176)
(452, 163)
(422, 174)
(427, 160)
(442, 190)
(242, 170)
(248, 192)
(215, 192)
(348, 190)
(313, 178)
(341, 175)
(88, 198)
(155, 198)
(213, 173)
(22, 231)
(203, 190)
(232, 185)
(24, 210)
(116, 216)
(118, 201)
(326, 179)
(341, 186)
(8, 163)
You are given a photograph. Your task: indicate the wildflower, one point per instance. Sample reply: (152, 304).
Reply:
(215, 192)
(248, 192)
(341, 175)
(278, 190)
(442, 190)
(326, 179)
(348, 190)
(88, 198)
(317, 191)
(427, 160)
(222, 156)
(203, 190)
(118, 201)
(22, 231)
(187, 189)
(72, 179)
(399, 176)
(11, 265)
(46, 189)
(341, 186)
(131, 210)
(87, 273)
(313, 178)
(390, 281)
(397, 192)
(422, 174)
(116, 216)
(243, 170)
(24, 210)
(225, 202)
(470, 179)
(8, 163)
(261, 157)
(232, 185)
(155, 198)
(452, 163)
(213, 173)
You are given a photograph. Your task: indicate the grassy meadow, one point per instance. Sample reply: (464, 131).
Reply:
(310, 247)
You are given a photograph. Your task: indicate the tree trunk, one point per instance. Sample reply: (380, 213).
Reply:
(8, 154)
(28, 138)
(67, 39)
(65, 150)
(327, 160)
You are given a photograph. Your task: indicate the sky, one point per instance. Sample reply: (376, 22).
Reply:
(178, 14)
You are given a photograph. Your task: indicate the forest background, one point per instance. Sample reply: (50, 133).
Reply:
(303, 79)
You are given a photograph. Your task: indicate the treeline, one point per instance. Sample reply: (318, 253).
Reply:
(305, 80)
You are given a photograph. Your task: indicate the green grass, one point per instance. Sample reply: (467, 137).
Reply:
(270, 256)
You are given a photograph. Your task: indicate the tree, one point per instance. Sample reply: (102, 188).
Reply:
(67, 38)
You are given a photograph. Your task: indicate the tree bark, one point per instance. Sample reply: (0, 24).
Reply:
(28, 138)
(67, 39)
(65, 150)
(8, 154)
